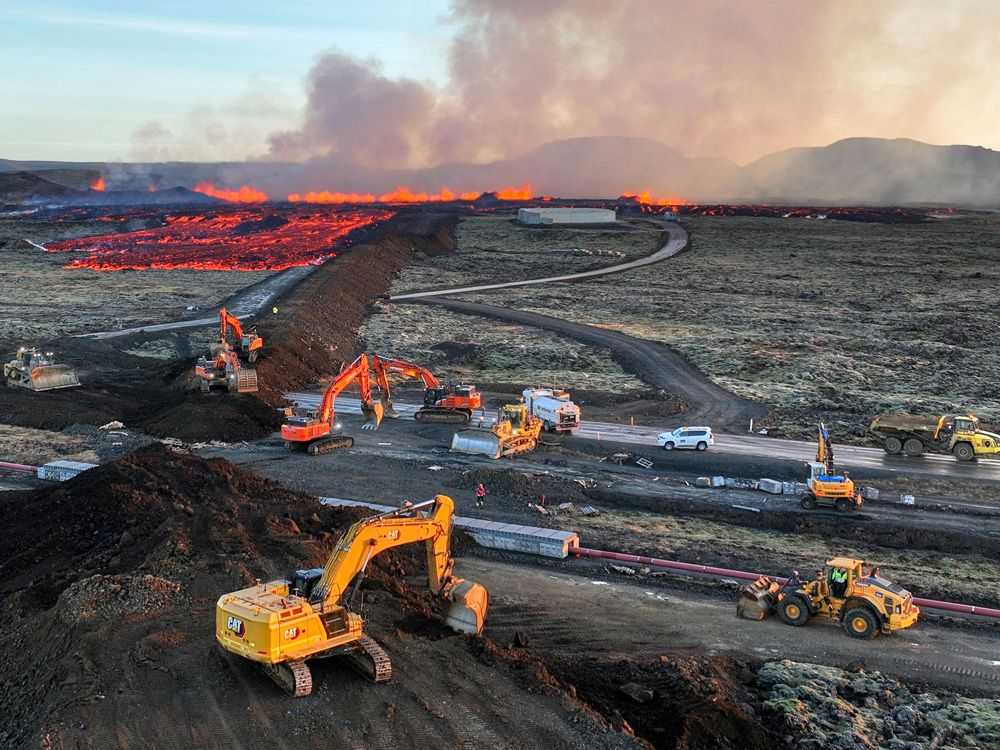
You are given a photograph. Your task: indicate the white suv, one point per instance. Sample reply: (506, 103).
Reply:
(686, 437)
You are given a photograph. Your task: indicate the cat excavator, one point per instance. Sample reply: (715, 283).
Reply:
(315, 431)
(282, 624)
(248, 344)
(451, 404)
(222, 367)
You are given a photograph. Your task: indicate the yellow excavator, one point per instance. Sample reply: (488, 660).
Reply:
(825, 488)
(282, 624)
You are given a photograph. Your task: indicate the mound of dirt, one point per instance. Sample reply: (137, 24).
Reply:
(316, 329)
(511, 490)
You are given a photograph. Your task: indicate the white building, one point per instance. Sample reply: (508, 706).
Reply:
(566, 215)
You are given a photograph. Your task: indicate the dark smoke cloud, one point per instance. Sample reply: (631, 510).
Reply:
(711, 78)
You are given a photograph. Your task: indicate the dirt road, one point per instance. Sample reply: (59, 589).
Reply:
(584, 609)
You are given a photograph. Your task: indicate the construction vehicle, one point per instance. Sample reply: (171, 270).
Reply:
(315, 430)
(37, 371)
(282, 624)
(222, 367)
(824, 487)
(864, 605)
(912, 435)
(554, 407)
(248, 344)
(514, 431)
(449, 404)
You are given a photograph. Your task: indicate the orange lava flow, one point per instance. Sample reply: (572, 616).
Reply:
(245, 194)
(646, 197)
(98, 184)
(406, 195)
(245, 239)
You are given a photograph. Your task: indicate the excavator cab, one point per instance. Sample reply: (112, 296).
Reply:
(302, 582)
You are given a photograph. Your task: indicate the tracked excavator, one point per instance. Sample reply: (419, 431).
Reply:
(514, 431)
(37, 371)
(222, 367)
(282, 624)
(864, 605)
(248, 344)
(315, 430)
(451, 404)
(825, 487)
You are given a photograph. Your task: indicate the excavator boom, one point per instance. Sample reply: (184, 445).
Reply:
(384, 367)
(247, 342)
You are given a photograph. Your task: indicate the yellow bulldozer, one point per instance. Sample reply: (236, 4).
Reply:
(514, 431)
(37, 371)
(864, 605)
(282, 624)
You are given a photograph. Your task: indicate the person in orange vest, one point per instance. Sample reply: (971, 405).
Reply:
(480, 495)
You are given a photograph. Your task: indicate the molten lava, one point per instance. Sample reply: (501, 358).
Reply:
(646, 198)
(224, 239)
(98, 184)
(522, 193)
(406, 195)
(245, 194)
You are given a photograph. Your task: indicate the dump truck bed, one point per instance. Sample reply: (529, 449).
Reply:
(906, 423)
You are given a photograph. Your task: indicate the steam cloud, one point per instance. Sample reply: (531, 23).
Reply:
(712, 78)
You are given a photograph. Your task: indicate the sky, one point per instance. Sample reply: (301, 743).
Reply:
(410, 84)
(89, 74)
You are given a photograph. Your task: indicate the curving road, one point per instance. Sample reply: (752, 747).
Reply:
(655, 363)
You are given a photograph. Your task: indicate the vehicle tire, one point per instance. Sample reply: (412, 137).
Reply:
(668, 446)
(702, 445)
(844, 504)
(892, 445)
(861, 623)
(963, 451)
(808, 501)
(913, 447)
(793, 610)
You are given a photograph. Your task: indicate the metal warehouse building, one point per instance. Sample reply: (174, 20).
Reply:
(566, 215)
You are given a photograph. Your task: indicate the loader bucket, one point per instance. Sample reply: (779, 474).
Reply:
(50, 377)
(467, 609)
(477, 442)
(373, 416)
(758, 599)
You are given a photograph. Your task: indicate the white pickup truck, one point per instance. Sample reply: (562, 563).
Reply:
(554, 408)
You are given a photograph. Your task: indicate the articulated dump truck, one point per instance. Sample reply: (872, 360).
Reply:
(913, 435)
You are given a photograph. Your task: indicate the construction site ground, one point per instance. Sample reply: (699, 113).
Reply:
(110, 580)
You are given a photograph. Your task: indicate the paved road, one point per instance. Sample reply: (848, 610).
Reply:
(677, 240)
(848, 456)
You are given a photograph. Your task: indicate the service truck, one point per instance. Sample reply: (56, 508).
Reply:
(554, 407)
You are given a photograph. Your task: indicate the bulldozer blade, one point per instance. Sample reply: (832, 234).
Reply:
(476, 442)
(373, 416)
(50, 377)
(467, 609)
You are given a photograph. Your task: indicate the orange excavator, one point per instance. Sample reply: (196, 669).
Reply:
(315, 431)
(223, 368)
(443, 404)
(248, 343)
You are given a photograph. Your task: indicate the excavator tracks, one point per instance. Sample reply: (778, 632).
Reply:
(294, 677)
(442, 416)
(370, 659)
(330, 444)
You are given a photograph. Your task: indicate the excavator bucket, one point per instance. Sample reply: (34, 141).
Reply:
(50, 377)
(388, 410)
(373, 415)
(758, 599)
(467, 609)
(477, 442)
(246, 381)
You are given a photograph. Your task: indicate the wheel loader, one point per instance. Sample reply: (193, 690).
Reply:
(514, 431)
(864, 605)
(37, 371)
(282, 624)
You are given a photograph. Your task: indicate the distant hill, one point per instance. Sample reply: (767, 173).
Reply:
(17, 187)
(855, 170)
(875, 171)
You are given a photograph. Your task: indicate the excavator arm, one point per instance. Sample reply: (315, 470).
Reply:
(372, 536)
(824, 450)
(247, 342)
(384, 367)
(229, 322)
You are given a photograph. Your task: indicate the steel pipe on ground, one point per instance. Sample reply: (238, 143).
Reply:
(18, 467)
(969, 610)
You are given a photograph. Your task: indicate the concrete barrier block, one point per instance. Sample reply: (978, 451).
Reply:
(772, 486)
(718, 481)
(703, 482)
